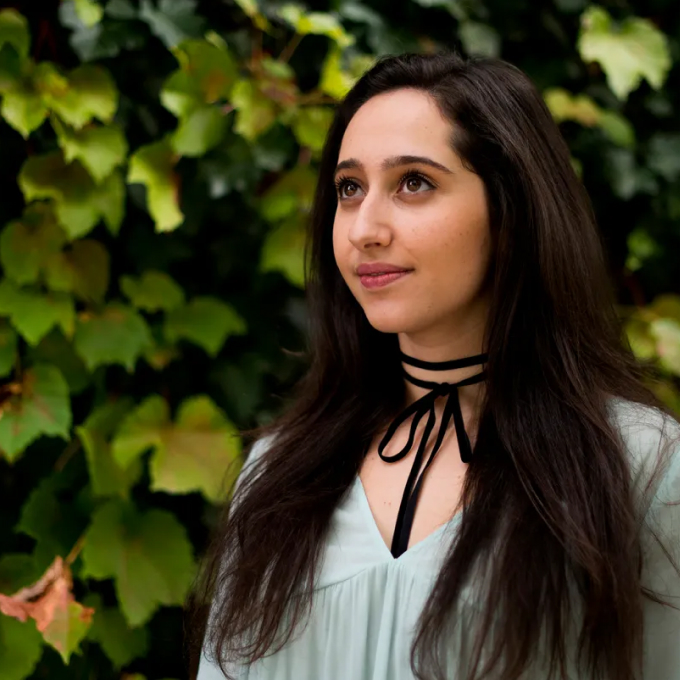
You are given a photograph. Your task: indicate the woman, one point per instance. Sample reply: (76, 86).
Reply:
(521, 529)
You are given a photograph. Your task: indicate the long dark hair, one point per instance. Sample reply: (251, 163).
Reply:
(550, 509)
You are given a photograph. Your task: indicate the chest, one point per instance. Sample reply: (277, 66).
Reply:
(440, 492)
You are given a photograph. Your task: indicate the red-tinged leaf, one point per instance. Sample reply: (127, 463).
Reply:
(62, 621)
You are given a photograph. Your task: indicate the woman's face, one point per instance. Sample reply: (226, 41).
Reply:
(427, 215)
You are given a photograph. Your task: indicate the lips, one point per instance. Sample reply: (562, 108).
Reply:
(377, 268)
(371, 281)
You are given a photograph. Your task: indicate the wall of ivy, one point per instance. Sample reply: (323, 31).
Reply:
(158, 163)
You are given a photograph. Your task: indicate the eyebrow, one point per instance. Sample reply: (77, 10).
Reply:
(393, 162)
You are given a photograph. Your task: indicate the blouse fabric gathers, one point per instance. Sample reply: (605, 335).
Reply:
(367, 602)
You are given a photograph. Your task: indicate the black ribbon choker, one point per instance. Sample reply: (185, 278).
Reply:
(418, 409)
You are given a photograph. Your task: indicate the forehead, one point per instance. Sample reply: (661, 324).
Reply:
(403, 121)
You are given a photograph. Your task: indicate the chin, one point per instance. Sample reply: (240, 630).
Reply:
(387, 323)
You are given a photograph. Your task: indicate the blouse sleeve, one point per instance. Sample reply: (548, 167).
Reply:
(661, 561)
(208, 669)
(255, 455)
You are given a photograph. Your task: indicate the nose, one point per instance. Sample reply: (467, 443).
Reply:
(370, 223)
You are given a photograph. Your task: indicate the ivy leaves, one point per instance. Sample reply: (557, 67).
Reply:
(21, 647)
(38, 405)
(191, 454)
(48, 604)
(628, 52)
(117, 351)
(147, 554)
(153, 165)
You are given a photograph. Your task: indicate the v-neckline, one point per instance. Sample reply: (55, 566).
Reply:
(373, 526)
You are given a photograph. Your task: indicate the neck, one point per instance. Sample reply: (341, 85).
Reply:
(470, 396)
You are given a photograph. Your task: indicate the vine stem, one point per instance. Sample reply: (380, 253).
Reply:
(256, 53)
(75, 551)
(69, 450)
(288, 50)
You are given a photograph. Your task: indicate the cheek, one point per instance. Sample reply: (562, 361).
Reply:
(461, 242)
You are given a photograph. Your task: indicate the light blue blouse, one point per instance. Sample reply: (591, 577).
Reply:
(367, 602)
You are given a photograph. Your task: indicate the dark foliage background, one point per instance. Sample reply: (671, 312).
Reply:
(158, 162)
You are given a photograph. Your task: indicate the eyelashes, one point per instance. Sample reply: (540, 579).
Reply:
(342, 181)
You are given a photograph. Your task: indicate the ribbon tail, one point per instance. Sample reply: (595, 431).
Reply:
(463, 441)
(409, 499)
(419, 409)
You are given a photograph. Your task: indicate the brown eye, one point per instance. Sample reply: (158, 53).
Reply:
(415, 183)
(348, 186)
(410, 180)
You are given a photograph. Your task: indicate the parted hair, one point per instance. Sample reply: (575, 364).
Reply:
(551, 519)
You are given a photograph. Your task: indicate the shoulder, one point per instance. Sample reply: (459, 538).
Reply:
(652, 442)
(255, 457)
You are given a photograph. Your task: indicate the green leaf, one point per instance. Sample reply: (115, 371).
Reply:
(172, 21)
(21, 647)
(192, 455)
(147, 554)
(626, 177)
(107, 39)
(317, 23)
(154, 166)
(311, 125)
(663, 155)
(198, 451)
(337, 81)
(8, 348)
(12, 69)
(90, 12)
(53, 517)
(109, 197)
(17, 570)
(565, 106)
(33, 314)
(667, 392)
(14, 31)
(283, 251)
(106, 476)
(89, 92)
(116, 335)
(292, 192)
(99, 149)
(153, 291)
(140, 430)
(627, 52)
(42, 407)
(206, 75)
(181, 93)
(666, 305)
(82, 269)
(255, 112)
(617, 128)
(202, 130)
(582, 109)
(205, 321)
(641, 247)
(23, 109)
(121, 9)
(25, 244)
(69, 185)
(480, 39)
(121, 643)
(55, 349)
(666, 332)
